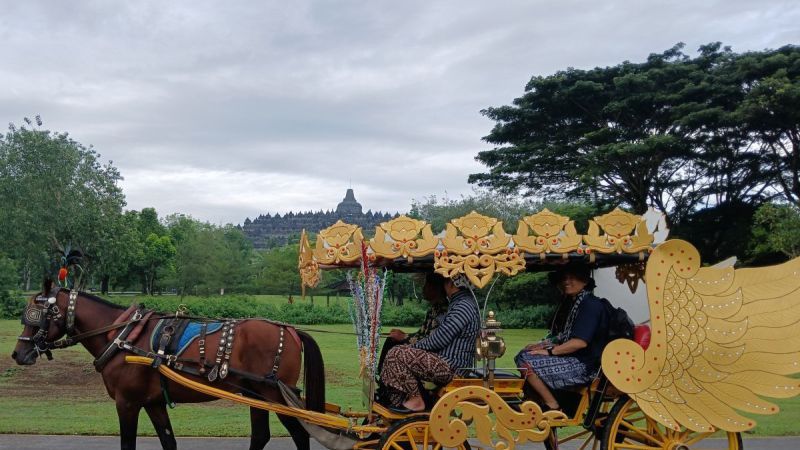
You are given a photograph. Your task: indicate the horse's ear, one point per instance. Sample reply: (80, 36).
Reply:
(47, 284)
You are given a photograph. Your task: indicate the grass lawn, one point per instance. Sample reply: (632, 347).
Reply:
(66, 395)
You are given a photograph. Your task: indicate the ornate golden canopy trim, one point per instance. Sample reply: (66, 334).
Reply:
(476, 245)
(552, 233)
(309, 269)
(339, 243)
(624, 233)
(403, 237)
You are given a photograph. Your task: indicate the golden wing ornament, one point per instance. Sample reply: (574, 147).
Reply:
(721, 340)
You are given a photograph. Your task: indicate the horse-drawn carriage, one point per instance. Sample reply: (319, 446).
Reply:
(720, 339)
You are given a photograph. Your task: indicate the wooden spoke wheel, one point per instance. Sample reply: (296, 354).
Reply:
(628, 428)
(413, 433)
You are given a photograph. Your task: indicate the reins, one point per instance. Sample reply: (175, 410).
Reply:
(76, 339)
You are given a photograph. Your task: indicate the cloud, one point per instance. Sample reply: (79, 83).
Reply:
(230, 110)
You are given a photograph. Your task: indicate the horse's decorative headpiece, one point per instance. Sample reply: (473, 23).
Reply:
(39, 314)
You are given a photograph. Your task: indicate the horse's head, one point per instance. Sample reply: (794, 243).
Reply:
(45, 321)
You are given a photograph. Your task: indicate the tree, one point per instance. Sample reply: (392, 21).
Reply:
(770, 81)
(776, 229)
(157, 260)
(276, 270)
(209, 258)
(606, 134)
(9, 279)
(118, 250)
(675, 132)
(54, 191)
(438, 212)
(509, 209)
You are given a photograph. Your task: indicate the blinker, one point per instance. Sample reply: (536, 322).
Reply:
(32, 316)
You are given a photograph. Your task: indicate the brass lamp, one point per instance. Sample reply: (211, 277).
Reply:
(489, 347)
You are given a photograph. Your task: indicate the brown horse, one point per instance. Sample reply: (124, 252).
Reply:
(134, 387)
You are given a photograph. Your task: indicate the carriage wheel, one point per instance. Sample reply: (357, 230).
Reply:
(412, 434)
(629, 428)
(583, 439)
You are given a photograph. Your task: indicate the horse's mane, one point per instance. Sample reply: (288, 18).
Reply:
(101, 300)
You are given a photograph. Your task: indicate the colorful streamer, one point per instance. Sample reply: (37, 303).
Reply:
(368, 288)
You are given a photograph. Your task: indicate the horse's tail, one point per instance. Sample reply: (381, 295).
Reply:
(314, 373)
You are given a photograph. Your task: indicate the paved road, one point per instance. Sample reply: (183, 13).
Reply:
(36, 442)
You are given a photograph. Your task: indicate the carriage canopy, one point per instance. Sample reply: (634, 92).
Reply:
(478, 246)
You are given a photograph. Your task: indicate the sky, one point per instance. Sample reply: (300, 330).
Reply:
(229, 110)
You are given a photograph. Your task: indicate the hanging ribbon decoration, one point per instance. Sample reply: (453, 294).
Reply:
(367, 287)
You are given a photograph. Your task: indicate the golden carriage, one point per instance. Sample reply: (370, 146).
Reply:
(721, 340)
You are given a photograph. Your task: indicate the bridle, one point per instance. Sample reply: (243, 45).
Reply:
(40, 313)
(43, 311)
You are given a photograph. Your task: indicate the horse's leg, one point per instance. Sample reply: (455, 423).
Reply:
(128, 423)
(296, 430)
(259, 428)
(160, 418)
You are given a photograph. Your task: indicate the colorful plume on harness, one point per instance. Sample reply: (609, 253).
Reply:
(367, 287)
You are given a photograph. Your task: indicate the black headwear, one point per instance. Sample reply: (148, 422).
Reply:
(582, 271)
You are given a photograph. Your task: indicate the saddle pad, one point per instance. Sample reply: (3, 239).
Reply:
(190, 333)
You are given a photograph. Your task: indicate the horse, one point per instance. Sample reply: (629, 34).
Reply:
(260, 349)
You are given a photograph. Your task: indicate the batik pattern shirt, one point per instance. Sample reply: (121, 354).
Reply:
(454, 338)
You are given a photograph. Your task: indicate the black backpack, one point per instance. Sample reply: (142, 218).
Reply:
(620, 325)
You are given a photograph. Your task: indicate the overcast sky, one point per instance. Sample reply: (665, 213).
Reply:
(227, 110)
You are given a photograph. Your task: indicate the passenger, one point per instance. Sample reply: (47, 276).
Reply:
(572, 356)
(433, 292)
(436, 357)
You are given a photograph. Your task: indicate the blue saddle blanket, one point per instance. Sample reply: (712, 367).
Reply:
(190, 333)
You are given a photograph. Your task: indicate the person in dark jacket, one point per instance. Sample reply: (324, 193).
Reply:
(571, 356)
(436, 357)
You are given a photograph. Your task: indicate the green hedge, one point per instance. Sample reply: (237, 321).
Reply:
(533, 316)
(410, 314)
(242, 306)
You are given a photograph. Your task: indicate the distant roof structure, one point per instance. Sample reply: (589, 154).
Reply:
(349, 206)
(267, 231)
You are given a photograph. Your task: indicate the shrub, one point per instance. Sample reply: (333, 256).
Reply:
(534, 316)
(308, 314)
(11, 305)
(409, 314)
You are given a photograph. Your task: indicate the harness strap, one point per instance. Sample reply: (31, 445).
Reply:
(201, 344)
(113, 347)
(166, 336)
(221, 363)
(223, 371)
(165, 391)
(73, 340)
(73, 300)
(277, 363)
